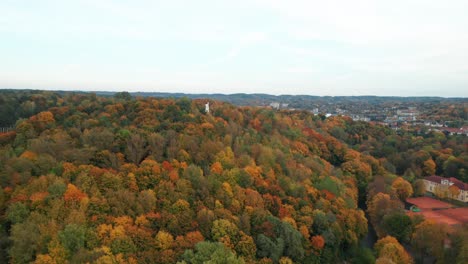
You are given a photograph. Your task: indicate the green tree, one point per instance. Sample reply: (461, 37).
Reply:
(25, 239)
(17, 213)
(123, 245)
(72, 237)
(364, 256)
(268, 248)
(287, 242)
(398, 225)
(125, 96)
(210, 253)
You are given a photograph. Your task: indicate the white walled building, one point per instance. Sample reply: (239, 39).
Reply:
(440, 186)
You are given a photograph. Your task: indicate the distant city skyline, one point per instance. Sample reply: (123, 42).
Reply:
(335, 48)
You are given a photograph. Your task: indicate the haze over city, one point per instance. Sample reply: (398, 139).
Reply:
(399, 48)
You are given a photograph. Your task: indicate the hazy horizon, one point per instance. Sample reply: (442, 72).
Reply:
(333, 48)
(225, 94)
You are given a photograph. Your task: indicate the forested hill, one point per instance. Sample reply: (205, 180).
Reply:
(92, 179)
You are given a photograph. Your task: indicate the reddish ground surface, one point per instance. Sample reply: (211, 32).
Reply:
(450, 216)
(428, 203)
(437, 217)
(459, 214)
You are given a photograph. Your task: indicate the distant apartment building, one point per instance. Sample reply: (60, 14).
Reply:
(409, 114)
(455, 131)
(447, 187)
(360, 118)
(275, 105)
(451, 130)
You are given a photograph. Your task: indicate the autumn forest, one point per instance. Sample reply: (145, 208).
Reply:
(122, 179)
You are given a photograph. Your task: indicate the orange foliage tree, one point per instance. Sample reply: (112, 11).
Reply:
(73, 194)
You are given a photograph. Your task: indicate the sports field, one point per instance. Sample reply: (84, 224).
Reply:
(428, 203)
(438, 211)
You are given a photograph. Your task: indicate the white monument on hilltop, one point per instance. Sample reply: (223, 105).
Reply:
(207, 107)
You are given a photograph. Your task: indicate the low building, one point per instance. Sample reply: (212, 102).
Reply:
(275, 105)
(409, 114)
(447, 187)
(360, 118)
(455, 131)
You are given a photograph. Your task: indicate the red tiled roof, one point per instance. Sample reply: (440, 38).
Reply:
(434, 178)
(451, 129)
(461, 185)
(437, 179)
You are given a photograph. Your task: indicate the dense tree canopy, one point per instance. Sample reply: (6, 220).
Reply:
(97, 179)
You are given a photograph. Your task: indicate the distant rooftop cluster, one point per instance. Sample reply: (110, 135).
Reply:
(394, 114)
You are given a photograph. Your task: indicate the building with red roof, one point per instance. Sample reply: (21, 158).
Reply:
(447, 187)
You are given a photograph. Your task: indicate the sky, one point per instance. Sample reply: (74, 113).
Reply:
(359, 47)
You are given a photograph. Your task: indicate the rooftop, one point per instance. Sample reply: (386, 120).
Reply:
(438, 179)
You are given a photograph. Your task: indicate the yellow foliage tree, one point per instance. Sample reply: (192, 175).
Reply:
(403, 188)
(164, 240)
(388, 247)
(429, 167)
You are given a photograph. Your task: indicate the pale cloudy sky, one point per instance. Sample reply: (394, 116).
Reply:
(380, 47)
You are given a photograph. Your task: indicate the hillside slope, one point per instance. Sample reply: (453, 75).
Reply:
(123, 180)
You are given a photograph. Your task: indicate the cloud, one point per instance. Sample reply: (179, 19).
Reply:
(335, 47)
(300, 70)
(242, 42)
(419, 25)
(245, 41)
